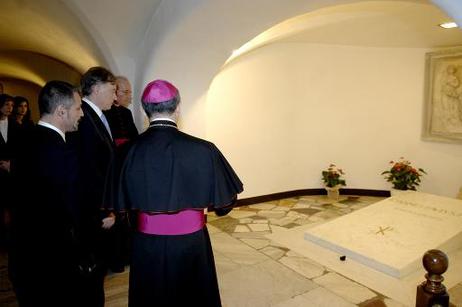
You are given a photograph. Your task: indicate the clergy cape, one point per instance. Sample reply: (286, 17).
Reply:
(167, 170)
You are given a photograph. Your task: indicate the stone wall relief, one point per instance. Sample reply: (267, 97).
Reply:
(443, 96)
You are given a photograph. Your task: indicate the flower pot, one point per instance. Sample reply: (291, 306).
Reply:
(396, 192)
(333, 193)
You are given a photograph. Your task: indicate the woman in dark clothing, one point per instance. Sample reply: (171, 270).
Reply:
(21, 112)
(8, 134)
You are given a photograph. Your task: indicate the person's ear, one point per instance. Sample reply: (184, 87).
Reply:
(96, 88)
(60, 111)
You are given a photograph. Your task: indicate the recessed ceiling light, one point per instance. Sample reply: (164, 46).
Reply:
(448, 25)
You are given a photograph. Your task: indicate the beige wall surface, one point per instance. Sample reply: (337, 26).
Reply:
(286, 111)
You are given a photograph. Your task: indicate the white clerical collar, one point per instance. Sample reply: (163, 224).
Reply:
(93, 106)
(48, 125)
(163, 118)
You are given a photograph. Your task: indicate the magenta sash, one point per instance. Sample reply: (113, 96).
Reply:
(181, 223)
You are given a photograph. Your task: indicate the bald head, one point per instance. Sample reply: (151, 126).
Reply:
(123, 92)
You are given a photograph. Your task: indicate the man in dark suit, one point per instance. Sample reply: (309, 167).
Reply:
(46, 219)
(97, 152)
(124, 132)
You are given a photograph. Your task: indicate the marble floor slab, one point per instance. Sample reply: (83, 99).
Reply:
(255, 268)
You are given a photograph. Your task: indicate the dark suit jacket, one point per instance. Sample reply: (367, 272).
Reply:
(7, 149)
(46, 216)
(97, 153)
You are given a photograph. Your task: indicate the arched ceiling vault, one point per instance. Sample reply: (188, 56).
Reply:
(154, 38)
(394, 24)
(43, 28)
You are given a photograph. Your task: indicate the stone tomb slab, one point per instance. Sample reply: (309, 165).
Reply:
(392, 235)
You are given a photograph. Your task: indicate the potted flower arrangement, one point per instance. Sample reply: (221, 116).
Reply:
(403, 175)
(332, 178)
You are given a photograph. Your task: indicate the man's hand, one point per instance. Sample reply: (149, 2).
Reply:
(5, 165)
(109, 221)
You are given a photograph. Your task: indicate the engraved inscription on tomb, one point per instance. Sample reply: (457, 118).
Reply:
(382, 230)
(429, 211)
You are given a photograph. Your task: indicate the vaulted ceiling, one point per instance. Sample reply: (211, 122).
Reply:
(44, 39)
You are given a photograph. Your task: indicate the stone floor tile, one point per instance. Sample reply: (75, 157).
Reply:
(296, 214)
(236, 250)
(265, 284)
(455, 294)
(283, 221)
(374, 302)
(257, 217)
(307, 211)
(264, 206)
(256, 243)
(213, 229)
(287, 202)
(281, 208)
(272, 214)
(275, 228)
(303, 221)
(321, 297)
(273, 252)
(328, 214)
(247, 220)
(340, 205)
(211, 216)
(251, 235)
(240, 214)
(392, 303)
(291, 253)
(241, 228)
(345, 211)
(303, 266)
(259, 227)
(223, 264)
(345, 288)
(298, 301)
(260, 222)
(315, 218)
(226, 224)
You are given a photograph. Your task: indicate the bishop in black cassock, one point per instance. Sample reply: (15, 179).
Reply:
(169, 178)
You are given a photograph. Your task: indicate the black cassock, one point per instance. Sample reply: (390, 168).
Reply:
(168, 171)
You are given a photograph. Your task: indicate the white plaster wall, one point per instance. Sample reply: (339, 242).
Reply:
(285, 111)
(188, 41)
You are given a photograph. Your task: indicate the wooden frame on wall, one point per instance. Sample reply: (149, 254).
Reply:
(443, 96)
